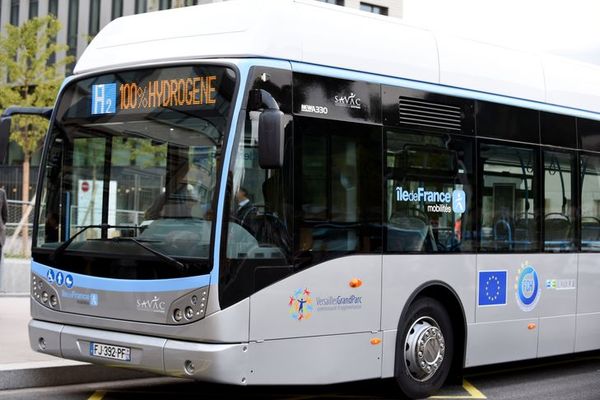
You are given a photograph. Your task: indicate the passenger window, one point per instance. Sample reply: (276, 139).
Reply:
(559, 215)
(429, 193)
(590, 203)
(339, 190)
(509, 199)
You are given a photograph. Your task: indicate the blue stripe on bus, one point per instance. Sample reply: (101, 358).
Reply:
(441, 89)
(121, 285)
(243, 69)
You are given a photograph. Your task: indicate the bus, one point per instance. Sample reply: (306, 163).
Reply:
(287, 192)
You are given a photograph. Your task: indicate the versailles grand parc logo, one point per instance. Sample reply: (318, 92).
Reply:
(301, 305)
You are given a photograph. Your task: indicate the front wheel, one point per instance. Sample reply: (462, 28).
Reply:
(424, 349)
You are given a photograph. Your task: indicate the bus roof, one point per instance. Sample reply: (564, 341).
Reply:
(318, 33)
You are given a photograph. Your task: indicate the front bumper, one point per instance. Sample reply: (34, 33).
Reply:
(223, 363)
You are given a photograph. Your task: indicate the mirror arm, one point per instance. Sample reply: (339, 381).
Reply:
(260, 98)
(268, 100)
(5, 122)
(45, 112)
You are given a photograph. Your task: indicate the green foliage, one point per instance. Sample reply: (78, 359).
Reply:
(26, 76)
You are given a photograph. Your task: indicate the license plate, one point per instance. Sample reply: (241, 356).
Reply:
(110, 351)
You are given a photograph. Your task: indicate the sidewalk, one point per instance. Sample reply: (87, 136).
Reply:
(14, 276)
(14, 336)
(20, 366)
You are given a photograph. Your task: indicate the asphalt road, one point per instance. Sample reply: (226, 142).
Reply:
(554, 379)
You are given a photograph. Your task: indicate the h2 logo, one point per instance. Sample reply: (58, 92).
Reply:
(104, 98)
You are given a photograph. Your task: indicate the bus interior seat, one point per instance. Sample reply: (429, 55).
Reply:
(525, 231)
(272, 229)
(272, 195)
(557, 227)
(334, 237)
(503, 235)
(590, 232)
(407, 233)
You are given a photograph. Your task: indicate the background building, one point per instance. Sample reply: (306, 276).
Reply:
(392, 8)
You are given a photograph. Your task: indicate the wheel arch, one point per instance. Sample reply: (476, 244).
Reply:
(450, 300)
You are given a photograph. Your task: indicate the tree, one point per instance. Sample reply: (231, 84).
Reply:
(30, 80)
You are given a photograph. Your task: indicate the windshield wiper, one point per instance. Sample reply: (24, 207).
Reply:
(157, 253)
(60, 249)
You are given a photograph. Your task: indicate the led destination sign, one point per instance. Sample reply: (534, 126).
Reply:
(167, 93)
(199, 90)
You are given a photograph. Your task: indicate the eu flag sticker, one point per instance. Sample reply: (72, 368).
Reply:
(104, 98)
(492, 288)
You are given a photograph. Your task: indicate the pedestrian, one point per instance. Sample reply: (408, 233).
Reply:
(3, 218)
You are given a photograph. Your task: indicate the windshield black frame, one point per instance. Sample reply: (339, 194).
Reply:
(72, 258)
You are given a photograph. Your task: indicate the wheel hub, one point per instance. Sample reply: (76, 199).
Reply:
(424, 349)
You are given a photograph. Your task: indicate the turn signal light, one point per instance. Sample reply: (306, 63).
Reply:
(375, 341)
(531, 326)
(355, 282)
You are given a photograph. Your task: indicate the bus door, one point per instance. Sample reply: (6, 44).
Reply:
(336, 248)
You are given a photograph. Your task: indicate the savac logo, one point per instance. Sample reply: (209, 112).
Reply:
(154, 305)
(348, 101)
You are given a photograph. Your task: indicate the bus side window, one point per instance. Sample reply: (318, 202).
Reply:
(559, 211)
(590, 202)
(338, 208)
(509, 198)
(429, 192)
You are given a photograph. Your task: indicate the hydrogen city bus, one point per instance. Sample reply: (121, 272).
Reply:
(289, 192)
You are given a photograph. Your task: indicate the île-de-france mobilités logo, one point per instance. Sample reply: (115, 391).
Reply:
(301, 305)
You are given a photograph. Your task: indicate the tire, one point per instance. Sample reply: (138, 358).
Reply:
(426, 327)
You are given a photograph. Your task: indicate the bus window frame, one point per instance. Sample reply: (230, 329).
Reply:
(575, 197)
(536, 183)
(474, 224)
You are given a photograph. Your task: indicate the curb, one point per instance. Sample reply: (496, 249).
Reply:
(24, 294)
(42, 374)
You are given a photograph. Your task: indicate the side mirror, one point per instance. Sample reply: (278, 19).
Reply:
(5, 122)
(271, 129)
(271, 138)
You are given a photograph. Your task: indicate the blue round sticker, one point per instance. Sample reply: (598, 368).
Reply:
(60, 278)
(69, 281)
(528, 288)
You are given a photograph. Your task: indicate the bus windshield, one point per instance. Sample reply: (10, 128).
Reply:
(130, 177)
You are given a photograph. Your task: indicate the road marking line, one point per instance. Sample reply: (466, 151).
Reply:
(98, 395)
(474, 393)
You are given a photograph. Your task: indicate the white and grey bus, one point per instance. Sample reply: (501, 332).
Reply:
(288, 192)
